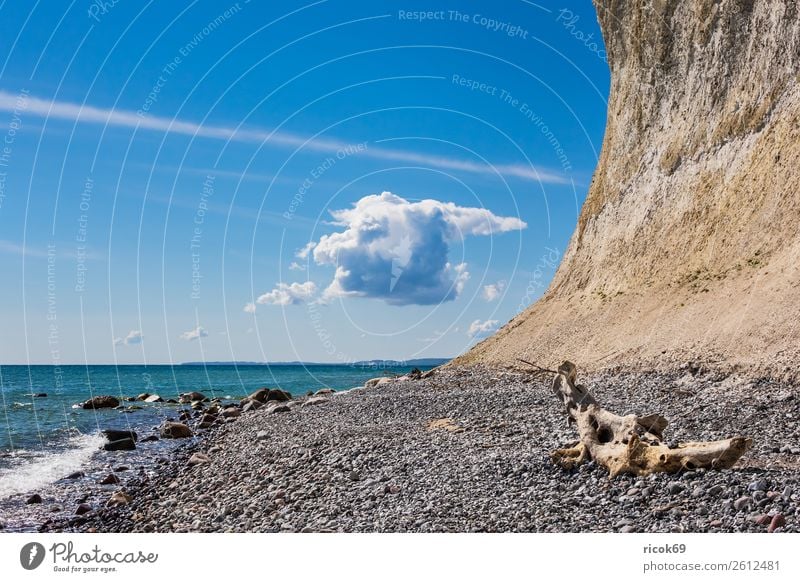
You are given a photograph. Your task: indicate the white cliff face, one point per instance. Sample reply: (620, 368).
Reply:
(688, 243)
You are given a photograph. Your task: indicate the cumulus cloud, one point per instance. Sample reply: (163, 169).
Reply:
(250, 308)
(133, 338)
(293, 294)
(480, 328)
(194, 334)
(397, 251)
(492, 292)
(303, 252)
(295, 266)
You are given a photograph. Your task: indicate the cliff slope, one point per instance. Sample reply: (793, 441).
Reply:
(687, 246)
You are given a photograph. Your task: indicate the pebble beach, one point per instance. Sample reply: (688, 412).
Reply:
(463, 450)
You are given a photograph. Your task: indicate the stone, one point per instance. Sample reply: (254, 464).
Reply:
(231, 412)
(742, 503)
(150, 439)
(377, 382)
(715, 490)
(354, 476)
(251, 405)
(193, 397)
(154, 398)
(315, 400)
(109, 479)
(674, 488)
(35, 498)
(206, 421)
(115, 435)
(83, 508)
(101, 402)
(778, 521)
(119, 498)
(40, 395)
(280, 408)
(143, 396)
(175, 430)
(324, 391)
(762, 519)
(262, 435)
(279, 396)
(76, 475)
(760, 485)
(198, 459)
(120, 445)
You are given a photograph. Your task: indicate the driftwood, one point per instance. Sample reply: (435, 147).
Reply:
(630, 444)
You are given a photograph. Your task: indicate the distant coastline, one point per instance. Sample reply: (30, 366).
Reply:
(360, 364)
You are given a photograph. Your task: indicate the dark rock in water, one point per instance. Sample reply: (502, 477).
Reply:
(154, 398)
(130, 399)
(83, 508)
(193, 397)
(120, 445)
(171, 401)
(184, 416)
(115, 435)
(260, 395)
(415, 374)
(109, 479)
(175, 430)
(143, 396)
(35, 498)
(324, 391)
(76, 475)
(101, 402)
(777, 521)
(40, 395)
(265, 394)
(150, 439)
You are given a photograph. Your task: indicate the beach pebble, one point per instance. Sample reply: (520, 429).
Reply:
(175, 430)
(83, 508)
(198, 459)
(778, 521)
(110, 479)
(35, 498)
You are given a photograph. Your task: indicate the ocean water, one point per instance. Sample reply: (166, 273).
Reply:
(43, 439)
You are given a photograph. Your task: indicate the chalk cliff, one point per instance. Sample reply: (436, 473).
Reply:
(688, 244)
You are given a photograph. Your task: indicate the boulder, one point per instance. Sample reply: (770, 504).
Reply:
(231, 412)
(101, 402)
(281, 408)
(154, 398)
(206, 421)
(120, 445)
(76, 475)
(251, 405)
(188, 397)
(119, 498)
(777, 521)
(115, 435)
(279, 396)
(175, 430)
(376, 382)
(143, 396)
(198, 459)
(316, 400)
(415, 374)
(260, 395)
(83, 508)
(324, 391)
(109, 479)
(262, 435)
(40, 395)
(35, 498)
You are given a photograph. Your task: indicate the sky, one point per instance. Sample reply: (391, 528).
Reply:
(322, 181)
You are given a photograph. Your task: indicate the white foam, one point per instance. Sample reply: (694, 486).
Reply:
(30, 474)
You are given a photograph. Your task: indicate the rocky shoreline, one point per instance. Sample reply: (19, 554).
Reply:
(467, 450)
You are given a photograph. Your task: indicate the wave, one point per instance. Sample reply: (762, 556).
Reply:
(39, 469)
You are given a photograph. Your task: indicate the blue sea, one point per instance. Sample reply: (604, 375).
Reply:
(43, 439)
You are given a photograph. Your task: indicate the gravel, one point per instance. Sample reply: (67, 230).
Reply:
(369, 460)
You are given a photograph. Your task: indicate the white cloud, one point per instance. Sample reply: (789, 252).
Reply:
(293, 294)
(78, 113)
(302, 253)
(250, 308)
(480, 328)
(492, 292)
(295, 266)
(133, 338)
(397, 251)
(194, 334)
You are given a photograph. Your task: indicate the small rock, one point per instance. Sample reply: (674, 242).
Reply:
(76, 475)
(115, 435)
(262, 435)
(83, 508)
(280, 408)
(101, 402)
(175, 430)
(324, 391)
(193, 397)
(778, 521)
(763, 519)
(35, 498)
(715, 490)
(674, 488)
(110, 479)
(119, 498)
(742, 503)
(627, 529)
(198, 459)
(354, 476)
(154, 398)
(150, 439)
(40, 395)
(760, 485)
(231, 412)
(120, 445)
(314, 401)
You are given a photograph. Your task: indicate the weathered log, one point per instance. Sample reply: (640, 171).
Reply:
(631, 444)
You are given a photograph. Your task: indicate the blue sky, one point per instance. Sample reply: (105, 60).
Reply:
(326, 181)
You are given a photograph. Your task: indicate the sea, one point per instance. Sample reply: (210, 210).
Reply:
(45, 434)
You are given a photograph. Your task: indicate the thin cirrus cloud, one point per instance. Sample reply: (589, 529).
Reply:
(194, 334)
(398, 251)
(126, 118)
(133, 338)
